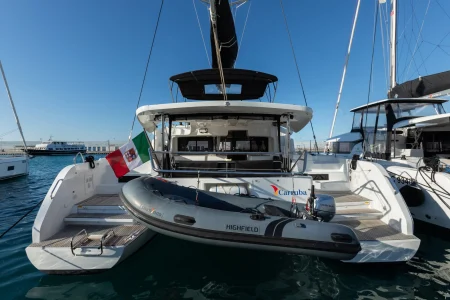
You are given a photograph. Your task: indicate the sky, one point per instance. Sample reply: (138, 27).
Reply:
(75, 68)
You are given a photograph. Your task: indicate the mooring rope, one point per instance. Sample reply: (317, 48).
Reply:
(21, 218)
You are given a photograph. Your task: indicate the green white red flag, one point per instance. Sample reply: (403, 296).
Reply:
(129, 156)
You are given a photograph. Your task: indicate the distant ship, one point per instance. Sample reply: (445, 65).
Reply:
(57, 148)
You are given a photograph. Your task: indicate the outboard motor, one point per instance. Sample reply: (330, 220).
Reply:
(320, 208)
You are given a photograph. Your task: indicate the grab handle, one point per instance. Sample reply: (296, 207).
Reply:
(54, 188)
(186, 220)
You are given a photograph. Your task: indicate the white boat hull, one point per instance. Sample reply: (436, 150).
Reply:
(11, 167)
(60, 260)
(436, 208)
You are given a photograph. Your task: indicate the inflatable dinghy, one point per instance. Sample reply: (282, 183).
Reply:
(237, 221)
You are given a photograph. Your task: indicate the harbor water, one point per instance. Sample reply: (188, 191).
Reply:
(167, 268)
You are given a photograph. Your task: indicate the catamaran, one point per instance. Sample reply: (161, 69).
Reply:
(220, 170)
(408, 134)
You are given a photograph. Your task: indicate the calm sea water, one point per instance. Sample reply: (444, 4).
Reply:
(171, 269)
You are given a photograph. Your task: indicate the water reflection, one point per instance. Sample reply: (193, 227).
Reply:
(171, 269)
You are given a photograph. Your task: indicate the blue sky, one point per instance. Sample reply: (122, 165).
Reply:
(75, 67)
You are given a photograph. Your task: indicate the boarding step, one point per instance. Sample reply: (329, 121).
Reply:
(99, 219)
(357, 214)
(76, 236)
(100, 204)
(331, 185)
(347, 199)
(99, 209)
(374, 230)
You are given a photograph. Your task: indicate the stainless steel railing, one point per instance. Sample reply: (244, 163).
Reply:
(226, 171)
(217, 153)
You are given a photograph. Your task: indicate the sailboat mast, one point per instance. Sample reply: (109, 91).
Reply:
(393, 48)
(213, 15)
(12, 105)
(345, 69)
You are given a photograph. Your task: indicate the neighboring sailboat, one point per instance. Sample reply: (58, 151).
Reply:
(408, 134)
(15, 165)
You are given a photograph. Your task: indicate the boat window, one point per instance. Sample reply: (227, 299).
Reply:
(10, 168)
(217, 89)
(356, 120)
(195, 144)
(440, 109)
(368, 123)
(381, 134)
(241, 144)
(369, 119)
(342, 147)
(416, 109)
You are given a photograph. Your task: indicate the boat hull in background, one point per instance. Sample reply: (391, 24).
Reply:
(12, 167)
(36, 152)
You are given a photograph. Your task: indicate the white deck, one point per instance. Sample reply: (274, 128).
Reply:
(70, 250)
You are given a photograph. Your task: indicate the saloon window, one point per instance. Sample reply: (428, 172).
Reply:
(241, 144)
(195, 144)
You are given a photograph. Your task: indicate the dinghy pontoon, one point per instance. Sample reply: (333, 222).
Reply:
(238, 221)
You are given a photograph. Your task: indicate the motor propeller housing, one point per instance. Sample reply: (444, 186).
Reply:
(320, 207)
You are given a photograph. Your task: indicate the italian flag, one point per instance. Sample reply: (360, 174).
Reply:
(129, 156)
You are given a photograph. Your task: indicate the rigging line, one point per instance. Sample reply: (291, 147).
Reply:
(444, 51)
(347, 57)
(371, 71)
(408, 51)
(415, 65)
(419, 47)
(424, 41)
(201, 32)
(388, 37)
(383, 49)
(243, 32)
(11, 102)
(8, 132)
(437, 46)
(146, 67)
(408, 44)
(421, 56)
(298, 73)
(418, 36)
(442, 9)
(21, 218)
(403, 33)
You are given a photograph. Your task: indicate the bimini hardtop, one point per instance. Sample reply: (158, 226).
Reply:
(238, 221)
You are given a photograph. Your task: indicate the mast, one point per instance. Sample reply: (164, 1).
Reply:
(213, 15)
(393, 49)
(13, 107)
(345, 68)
